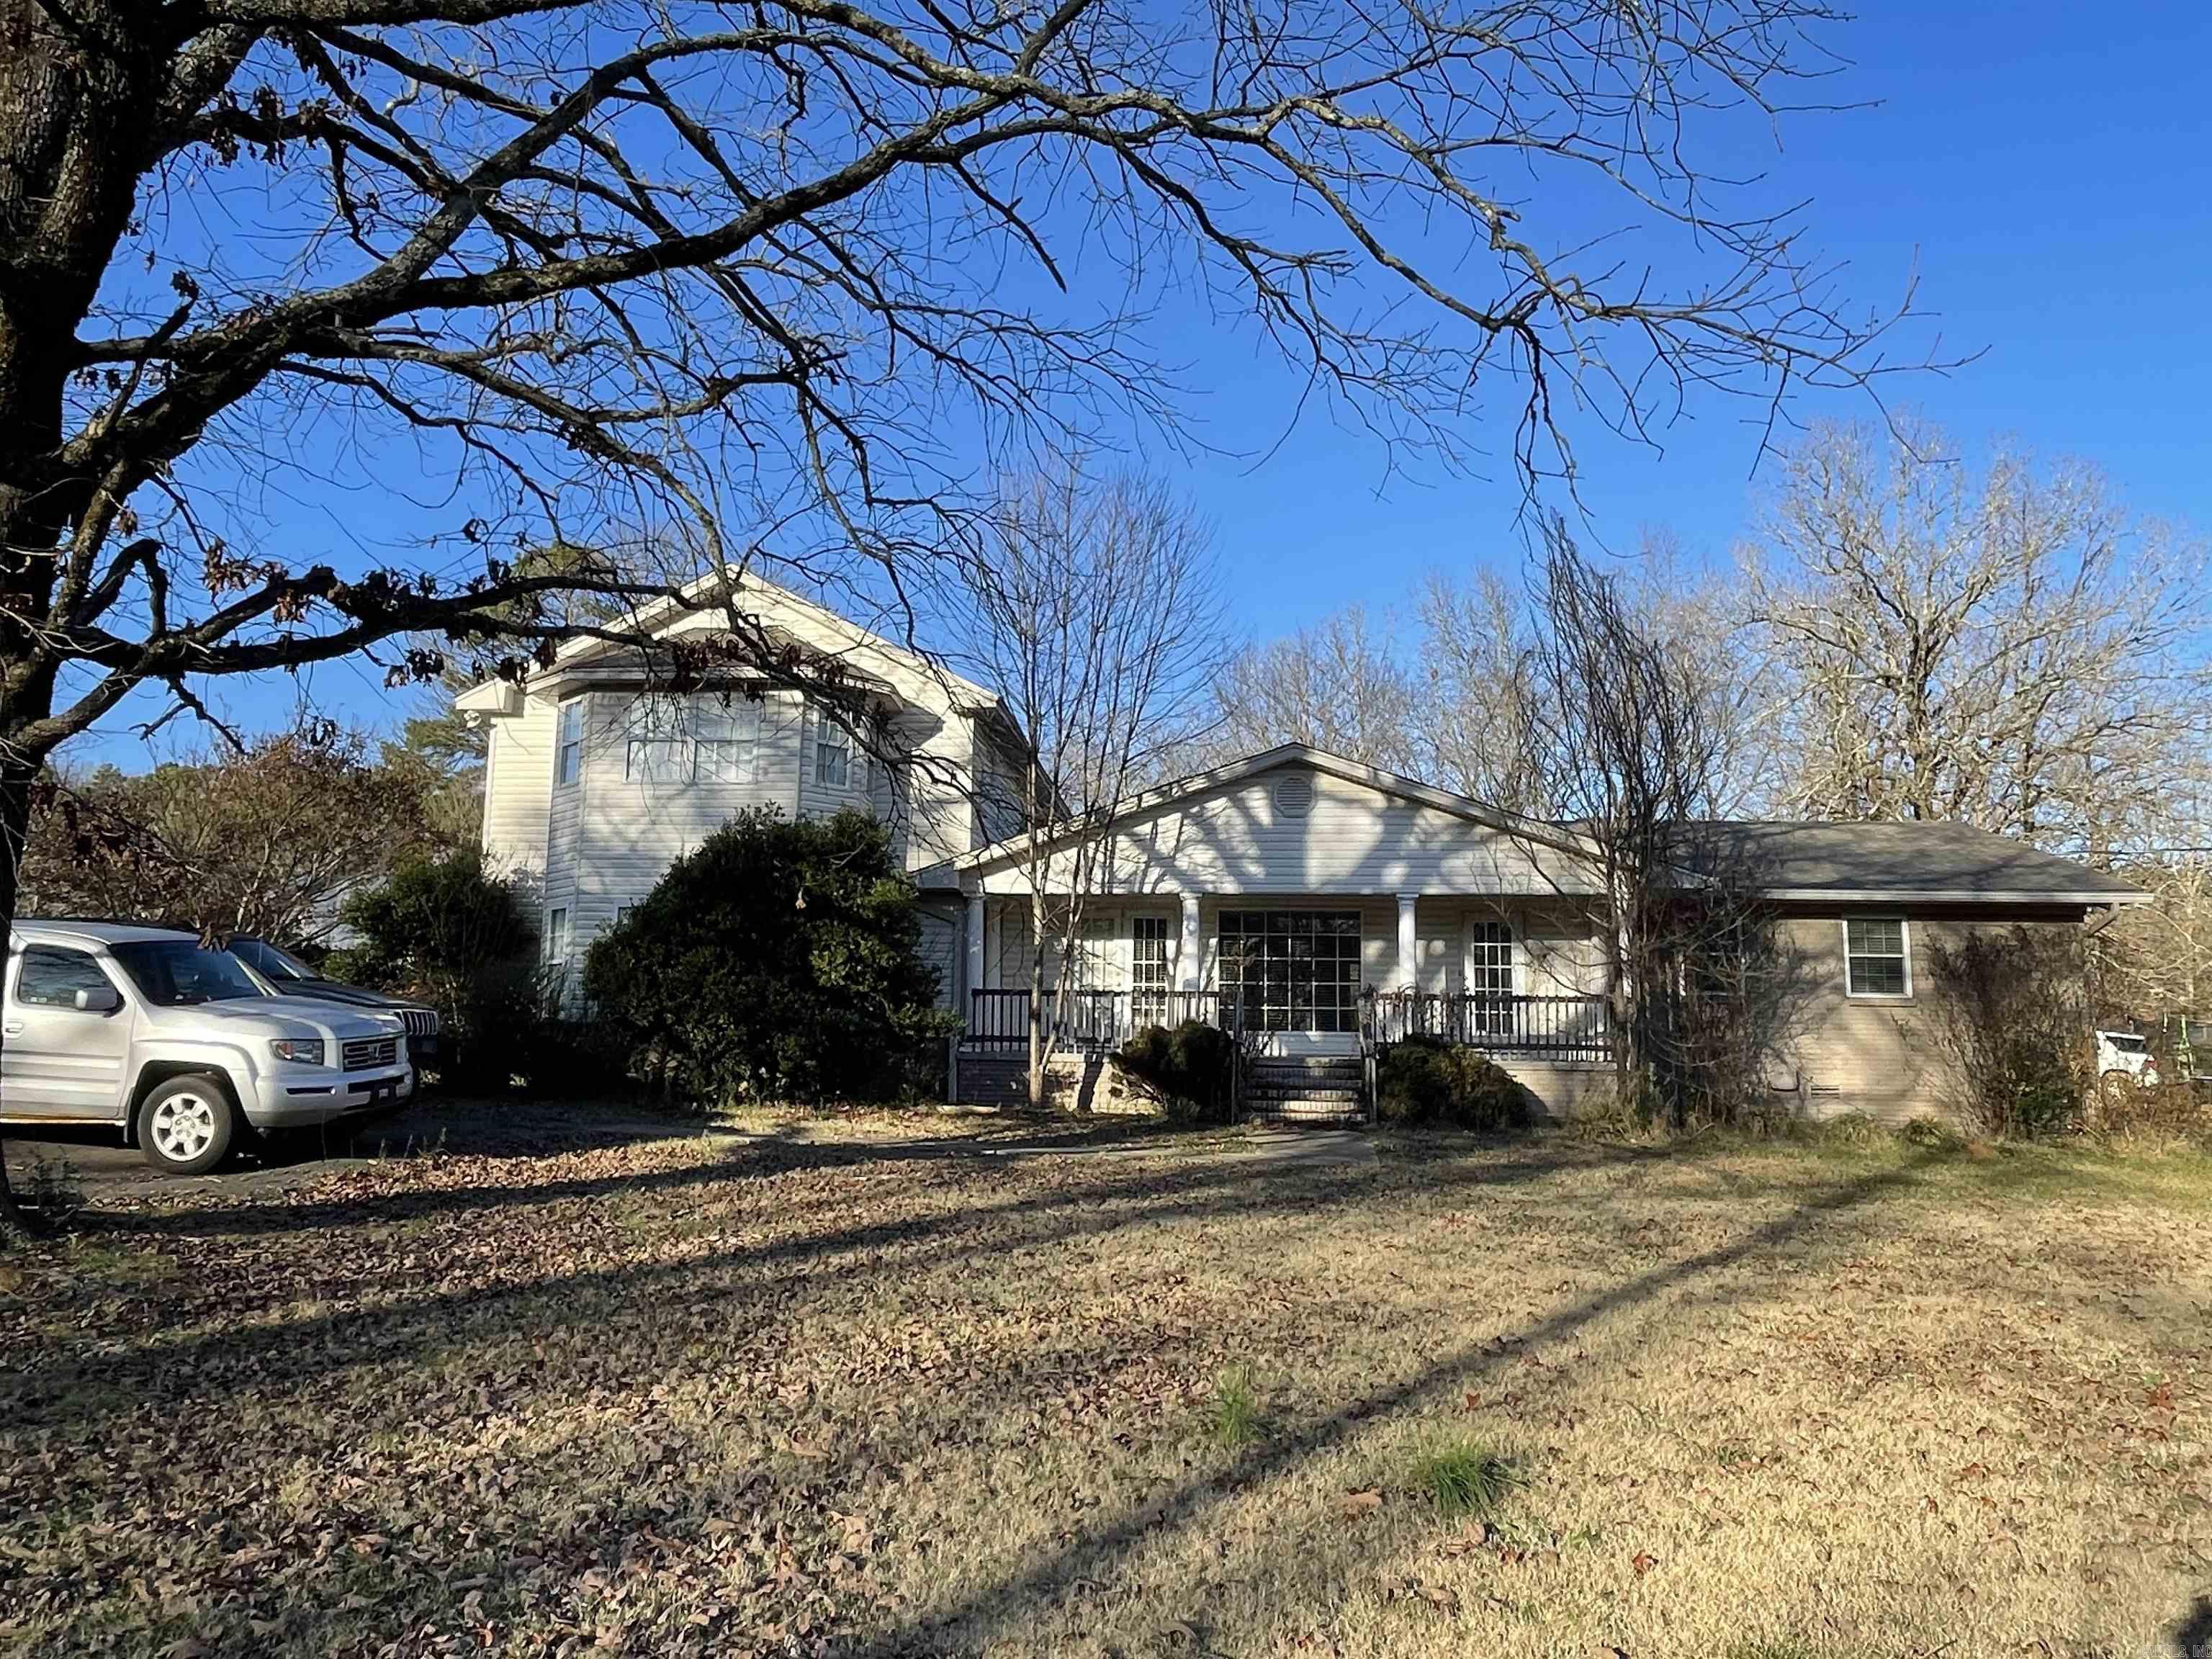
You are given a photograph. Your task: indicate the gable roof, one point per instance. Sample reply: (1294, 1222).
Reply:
(1153, 802)
(698, 598)
(1856, 862)
(1930, 863)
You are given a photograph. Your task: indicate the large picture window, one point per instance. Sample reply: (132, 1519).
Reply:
(1876, 962)
(1295, 970)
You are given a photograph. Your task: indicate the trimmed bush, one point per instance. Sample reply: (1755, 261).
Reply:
(1190, 1065)
(1424, 1079)
(780, 961)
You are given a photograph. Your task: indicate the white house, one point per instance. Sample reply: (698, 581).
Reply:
(1269, 894)
(598, 778)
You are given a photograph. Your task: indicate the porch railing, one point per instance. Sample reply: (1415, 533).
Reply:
(1559, 1028)
(1091, 1021)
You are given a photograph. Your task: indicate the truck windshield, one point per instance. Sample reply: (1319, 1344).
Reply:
(170, 973)
(278, 964)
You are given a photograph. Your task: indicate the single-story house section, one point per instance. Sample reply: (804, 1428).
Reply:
(1279, 889)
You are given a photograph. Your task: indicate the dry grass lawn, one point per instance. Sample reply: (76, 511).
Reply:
(844, 1395)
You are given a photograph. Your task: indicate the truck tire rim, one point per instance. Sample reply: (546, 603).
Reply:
(182, 1126)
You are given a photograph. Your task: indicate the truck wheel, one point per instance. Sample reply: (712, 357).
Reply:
(185, 1126)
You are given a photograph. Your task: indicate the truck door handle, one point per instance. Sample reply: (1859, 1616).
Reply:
(13, 1028)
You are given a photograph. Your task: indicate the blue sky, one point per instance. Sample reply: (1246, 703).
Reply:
(2044, 173)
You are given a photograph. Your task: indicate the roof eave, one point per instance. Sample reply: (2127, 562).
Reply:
(1948, 896)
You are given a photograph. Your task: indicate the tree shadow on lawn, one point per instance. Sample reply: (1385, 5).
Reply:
(1089, 1561)
(786, 1147)
(122, 1378)
(1100, 1553)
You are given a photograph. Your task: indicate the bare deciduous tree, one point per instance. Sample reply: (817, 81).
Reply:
(1336, 686)
(1098, 622)
(2007, 648)
(1631, 750)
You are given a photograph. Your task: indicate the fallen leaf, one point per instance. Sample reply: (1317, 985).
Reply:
(1643, 1561)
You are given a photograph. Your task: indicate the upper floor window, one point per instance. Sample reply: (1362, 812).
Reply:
(569, 755)
(1876, 962)
(658, 747)
(833, 755)
(728, 740)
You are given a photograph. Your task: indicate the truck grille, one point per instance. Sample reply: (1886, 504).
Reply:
(364, 1052)
(421, 1022)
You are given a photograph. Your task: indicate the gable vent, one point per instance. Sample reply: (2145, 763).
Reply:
(1294, 794)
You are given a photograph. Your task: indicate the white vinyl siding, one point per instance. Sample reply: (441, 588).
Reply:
(518, 791)
(1354, 839)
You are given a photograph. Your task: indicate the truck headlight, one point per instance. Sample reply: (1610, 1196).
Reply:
(300, 1051)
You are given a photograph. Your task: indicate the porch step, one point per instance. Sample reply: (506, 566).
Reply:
(1306, 1089)
(994, 1080)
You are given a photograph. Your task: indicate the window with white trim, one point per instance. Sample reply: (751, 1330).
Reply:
(658, 747)
(833, 755)
(727, 735)
(568, 754)
(1877, 962)
(1149, 961)
(1489, 974)
(556, 941)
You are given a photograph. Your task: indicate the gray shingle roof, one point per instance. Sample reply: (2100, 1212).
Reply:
(1952, 860)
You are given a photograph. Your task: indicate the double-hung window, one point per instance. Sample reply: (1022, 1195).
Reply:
(1877, 962)
(727, 734)
(658, 748)
(833, 755)
(569, 755)
(555, 942)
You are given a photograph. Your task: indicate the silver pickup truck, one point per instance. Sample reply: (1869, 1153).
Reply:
(176, 1046)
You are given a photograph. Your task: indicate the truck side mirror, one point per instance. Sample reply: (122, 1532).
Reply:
(99, 999)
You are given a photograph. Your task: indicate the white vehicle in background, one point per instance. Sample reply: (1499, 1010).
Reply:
(2123, 1062)
(176, 1047)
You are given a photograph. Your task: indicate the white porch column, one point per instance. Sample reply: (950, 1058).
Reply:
(1188, 953)
(974, 953)
(1409, 966)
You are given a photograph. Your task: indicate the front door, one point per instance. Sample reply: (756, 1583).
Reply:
(59, 1060)
(1297, 974)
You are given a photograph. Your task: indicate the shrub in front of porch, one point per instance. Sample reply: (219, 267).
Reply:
(780, 960)
(1190, 1065)
(1428, 1080)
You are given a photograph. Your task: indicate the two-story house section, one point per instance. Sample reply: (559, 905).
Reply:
(597, 778)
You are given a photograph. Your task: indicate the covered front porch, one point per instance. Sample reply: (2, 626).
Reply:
(1291, 975)
(1316, 908)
